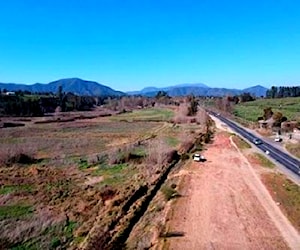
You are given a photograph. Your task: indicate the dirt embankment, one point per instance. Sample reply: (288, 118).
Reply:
(226, 206)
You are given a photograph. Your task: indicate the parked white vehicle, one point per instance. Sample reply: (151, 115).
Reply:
(198, 157)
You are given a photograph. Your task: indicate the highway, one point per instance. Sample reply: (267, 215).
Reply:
(283, 158)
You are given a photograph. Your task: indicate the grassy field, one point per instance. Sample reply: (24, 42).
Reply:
(73, 138)
(289, 107)
(53, 198)
(154, 114)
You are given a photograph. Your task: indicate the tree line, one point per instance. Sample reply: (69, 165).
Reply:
(280, 92)
(23, 104)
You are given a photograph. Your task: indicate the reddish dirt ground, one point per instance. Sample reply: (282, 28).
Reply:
(226, 206)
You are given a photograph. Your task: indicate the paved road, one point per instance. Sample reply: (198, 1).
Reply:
(283, 158)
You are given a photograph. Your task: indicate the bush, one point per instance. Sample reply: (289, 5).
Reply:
(107, 193)
(158, 152)
(55, 242)
(19, 158)
(169, 193)
(17, 155)
(207, 137)
(184, 157)
(126, 154)
(186, 146)
(172, 155)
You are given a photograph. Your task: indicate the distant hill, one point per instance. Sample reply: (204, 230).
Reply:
(184, 88)
(91, 88)
(74, 85)
(199, 90)
(257, 90)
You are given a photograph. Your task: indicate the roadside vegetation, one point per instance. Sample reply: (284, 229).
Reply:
(294, 148)
(286, 194)
(240, 142)
(263, 161)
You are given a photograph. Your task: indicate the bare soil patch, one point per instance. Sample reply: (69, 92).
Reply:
(226, 206)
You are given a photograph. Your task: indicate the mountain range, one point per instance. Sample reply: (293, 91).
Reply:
(74, 85)
(200, 89)
(91, 88)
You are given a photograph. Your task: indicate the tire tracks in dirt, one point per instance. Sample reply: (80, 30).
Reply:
(289, 233)
(226, 206)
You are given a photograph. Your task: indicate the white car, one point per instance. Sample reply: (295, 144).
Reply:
(278, 139)
(198, 157)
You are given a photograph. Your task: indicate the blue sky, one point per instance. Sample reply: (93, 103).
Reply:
(128, 44)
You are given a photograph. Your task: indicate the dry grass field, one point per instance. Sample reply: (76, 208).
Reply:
(55, 177)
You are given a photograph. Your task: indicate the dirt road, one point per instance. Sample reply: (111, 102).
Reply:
(226, 206)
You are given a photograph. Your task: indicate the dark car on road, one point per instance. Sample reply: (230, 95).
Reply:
(257, 141)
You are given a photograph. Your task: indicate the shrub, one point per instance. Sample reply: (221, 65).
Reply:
(186, 146)
(107, 193)
(172, 155)
(20, 158)
(157, 152)
(193, 120)
(19, 155)
(184, 157)
(83, 164)
(126, 154)
(207, 137)
(55, 242)
(97, 159)
(169, 193)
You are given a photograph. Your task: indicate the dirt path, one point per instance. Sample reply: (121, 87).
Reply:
(225, 206)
